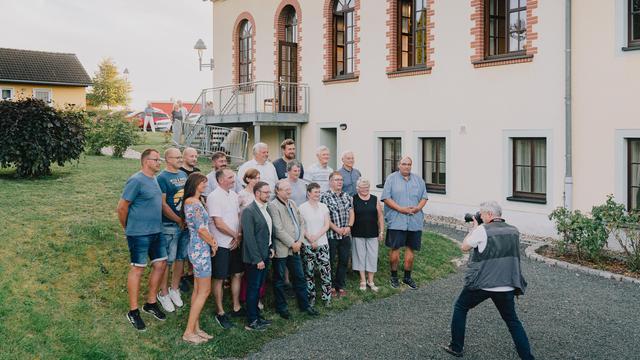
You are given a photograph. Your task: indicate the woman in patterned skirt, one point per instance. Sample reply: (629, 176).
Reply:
(202, 246)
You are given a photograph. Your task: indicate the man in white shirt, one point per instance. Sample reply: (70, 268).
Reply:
(224, 209)
(261, 163)
(219, 161)
(493, 273)
(319, 172)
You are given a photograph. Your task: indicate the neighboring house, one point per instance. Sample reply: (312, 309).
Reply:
(473, 91)
(56, 78)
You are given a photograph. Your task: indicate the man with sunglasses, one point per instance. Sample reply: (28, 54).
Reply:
(140, 214)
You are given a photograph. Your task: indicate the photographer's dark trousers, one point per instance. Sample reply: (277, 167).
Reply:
(503, 301)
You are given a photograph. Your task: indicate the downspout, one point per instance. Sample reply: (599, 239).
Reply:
(568, 176)
(213, 70)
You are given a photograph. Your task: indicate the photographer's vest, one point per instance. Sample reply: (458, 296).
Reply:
(499, 263)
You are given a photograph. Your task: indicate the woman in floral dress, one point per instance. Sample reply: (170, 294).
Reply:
(202, 246)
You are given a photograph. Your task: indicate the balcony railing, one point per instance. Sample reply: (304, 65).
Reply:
(259, 101)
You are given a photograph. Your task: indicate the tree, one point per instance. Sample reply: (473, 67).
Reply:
(33, 136)
(109, 87)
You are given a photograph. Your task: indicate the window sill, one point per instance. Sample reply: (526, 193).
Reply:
(436, 191)
(527, 200)
(503, 60)
(412, 71)
(631, 47)
(340, 80)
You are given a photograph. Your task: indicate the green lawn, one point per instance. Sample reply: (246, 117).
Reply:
(158, 140)
(63, 266)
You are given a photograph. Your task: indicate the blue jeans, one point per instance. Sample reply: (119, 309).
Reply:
(177, 242)
(255, 278)
(141, 246)
(503, 301)
(296, 275)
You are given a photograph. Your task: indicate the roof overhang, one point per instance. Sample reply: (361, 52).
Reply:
(45, 82)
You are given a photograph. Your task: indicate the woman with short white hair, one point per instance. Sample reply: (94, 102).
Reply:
(366, 231)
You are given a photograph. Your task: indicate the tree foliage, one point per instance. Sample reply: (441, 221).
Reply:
(109, 87)
(111, 129)
(33, 136)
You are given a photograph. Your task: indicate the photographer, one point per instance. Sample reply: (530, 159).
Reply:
(493, 272)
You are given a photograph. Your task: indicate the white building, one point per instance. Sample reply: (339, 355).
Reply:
(474, 91)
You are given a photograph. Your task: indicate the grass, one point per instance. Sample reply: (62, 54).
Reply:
(158, 140)
(63, 266)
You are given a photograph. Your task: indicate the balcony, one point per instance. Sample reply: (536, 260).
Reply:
(256, 103)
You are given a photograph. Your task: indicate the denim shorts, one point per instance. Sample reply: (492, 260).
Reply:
(177, 241)
(143, 246)
(397, 239)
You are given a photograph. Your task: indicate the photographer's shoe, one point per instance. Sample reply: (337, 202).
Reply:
(450, 350)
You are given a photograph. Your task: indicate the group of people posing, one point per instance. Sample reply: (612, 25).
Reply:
(234, 227)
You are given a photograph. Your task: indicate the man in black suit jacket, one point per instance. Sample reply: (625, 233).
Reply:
(257, 240)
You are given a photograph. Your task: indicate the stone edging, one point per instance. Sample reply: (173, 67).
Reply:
(531, 253)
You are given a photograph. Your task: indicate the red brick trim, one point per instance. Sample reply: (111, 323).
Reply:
(392, 41)
(477, 32)
(235, 53)
(278, 27)
(327, 28)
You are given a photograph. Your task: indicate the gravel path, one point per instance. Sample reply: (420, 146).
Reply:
(567, 315)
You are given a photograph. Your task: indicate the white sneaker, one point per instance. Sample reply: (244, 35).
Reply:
(166, 303)
(174, 295)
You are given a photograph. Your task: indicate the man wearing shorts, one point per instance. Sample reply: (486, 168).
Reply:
(140, 214)
(171, 181)
(404, 196)
(224, 209)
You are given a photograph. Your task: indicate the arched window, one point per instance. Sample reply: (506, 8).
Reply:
(245, 55)
(412, 29)
(344, 33)
(291, 25)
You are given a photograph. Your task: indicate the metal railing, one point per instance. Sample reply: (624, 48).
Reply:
(256, 97)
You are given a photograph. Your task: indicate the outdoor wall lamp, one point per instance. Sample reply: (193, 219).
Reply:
(200, 47)
(343, 126)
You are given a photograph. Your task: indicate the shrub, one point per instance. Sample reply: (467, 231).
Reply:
(587, 234)
(625, 227)
(33, 136)
(111, 129)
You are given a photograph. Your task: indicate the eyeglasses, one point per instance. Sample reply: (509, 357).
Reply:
(266, 192)
(174, 157)
(156, 160)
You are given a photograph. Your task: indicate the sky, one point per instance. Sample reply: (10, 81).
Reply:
(153, 39)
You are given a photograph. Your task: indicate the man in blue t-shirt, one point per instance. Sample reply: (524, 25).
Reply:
(140, 214)
(171, 181)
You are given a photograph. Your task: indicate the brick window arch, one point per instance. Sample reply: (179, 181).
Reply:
(244, 48)
(341, 39)
(284, 31)
(409, 37)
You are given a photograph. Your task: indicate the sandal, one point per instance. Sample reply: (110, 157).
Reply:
(372, 286)
(363, 286)
(193, 339)
(204, 335)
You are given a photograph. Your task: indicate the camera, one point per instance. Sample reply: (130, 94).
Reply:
(469, 217)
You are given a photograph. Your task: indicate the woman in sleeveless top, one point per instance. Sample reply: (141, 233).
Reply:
(366, 231)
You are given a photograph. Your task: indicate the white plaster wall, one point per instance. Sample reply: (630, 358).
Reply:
(488, 102)
(606, 98)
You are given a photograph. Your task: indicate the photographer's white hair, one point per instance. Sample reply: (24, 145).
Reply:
(491, 207)
(259, 146)
(320, 149)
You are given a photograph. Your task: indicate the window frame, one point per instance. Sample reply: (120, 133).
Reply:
(436, 188)
(344, 15)
(11, 93)
(47, 90)
(412, 35)
(397, 154)
(528, 196)
(487, 26)
(630, 186)
(631, 41)
(245, 53)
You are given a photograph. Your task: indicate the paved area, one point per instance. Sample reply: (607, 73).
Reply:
(567, 315)
(129, 154)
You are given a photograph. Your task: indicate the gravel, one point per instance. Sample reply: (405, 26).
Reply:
(567, 315)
